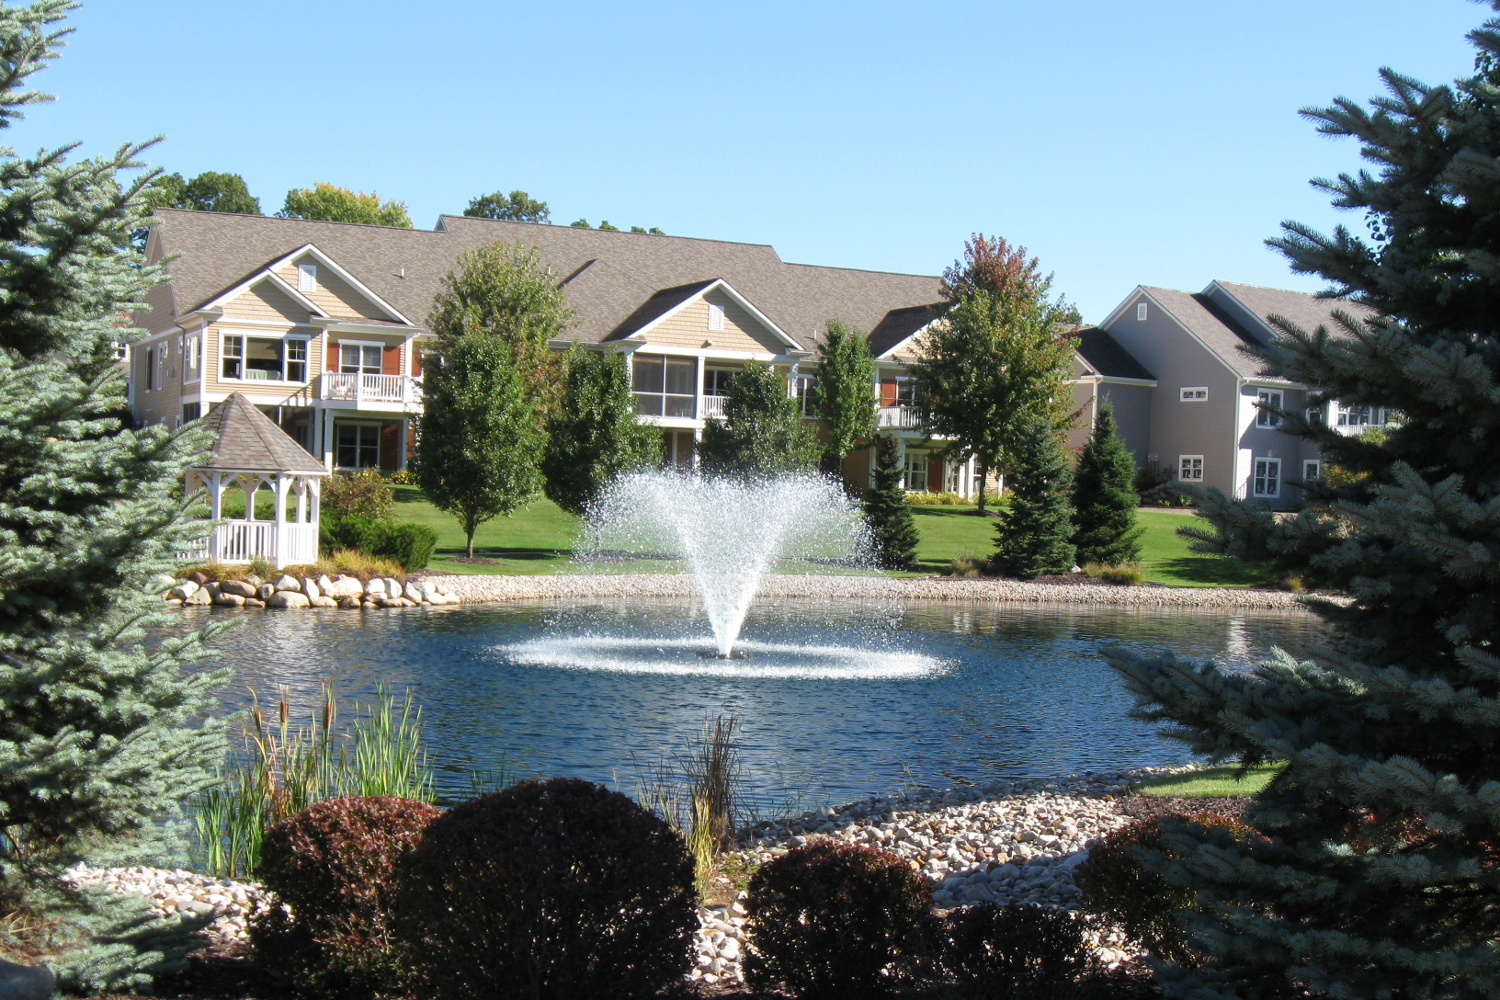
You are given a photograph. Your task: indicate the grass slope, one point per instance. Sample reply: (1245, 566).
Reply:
(540, 539)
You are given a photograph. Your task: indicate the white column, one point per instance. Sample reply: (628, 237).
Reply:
(402, 446)
(279, 536)
(328, 454)
(698, 403)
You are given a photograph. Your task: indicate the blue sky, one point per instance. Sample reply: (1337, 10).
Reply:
(1149, 142)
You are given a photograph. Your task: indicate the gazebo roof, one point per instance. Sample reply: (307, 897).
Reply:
(246, 440)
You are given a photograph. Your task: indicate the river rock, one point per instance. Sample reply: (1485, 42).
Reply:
(264, 591)
(349, 603)
(239, 588)
(324, 602)
(199, 598)
(225, 599)
(310, 588)
(26, 982)
(375, 588)
(197, 577)
(287, 582)
(183, 590)
(412, 593)
(288, 599)
(343, 586)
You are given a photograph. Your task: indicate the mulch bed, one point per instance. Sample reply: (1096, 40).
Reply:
(1147, 806)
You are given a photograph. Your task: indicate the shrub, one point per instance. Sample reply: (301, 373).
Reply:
(411, 545)
(403, 477)
(1016, 952)
(333, 865)
(560, 889)
(835, 920)
(1126, 575)
(352, 562)
(966, 566)
(1118, 886)
(363, 494)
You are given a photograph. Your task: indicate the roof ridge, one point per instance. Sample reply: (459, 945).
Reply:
(282, 218)
(618, 232)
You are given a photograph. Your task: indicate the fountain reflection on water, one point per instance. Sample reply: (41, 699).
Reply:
(728, 533)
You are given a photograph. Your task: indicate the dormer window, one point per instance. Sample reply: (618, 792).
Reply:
(307, 277)
(1140, 311)
(715, 316)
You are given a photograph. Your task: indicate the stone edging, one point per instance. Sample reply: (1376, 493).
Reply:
(491, 589)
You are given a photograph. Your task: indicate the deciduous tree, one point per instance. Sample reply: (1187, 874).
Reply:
(1376, 874)
(762, 433)
(210, 191)
(846, 389)
(518, 206)
(330, 203)
(593, 436)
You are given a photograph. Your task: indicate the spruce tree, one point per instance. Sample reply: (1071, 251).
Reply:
(1035, 532)
(893, 528)
(594, 436)
(100, 738)
(1104, 498)
(1377, 874)
(762, 433)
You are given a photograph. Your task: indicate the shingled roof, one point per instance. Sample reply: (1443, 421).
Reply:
(1104, 354)
(608, 276)
(246, 440)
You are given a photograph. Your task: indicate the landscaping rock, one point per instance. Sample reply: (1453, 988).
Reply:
(254, 602)
(310, 588)
(343, 586)
(183, 590)
(264, 591)
(225, 599)
(239, 588)
(324, 602)
(350, 603)
(197, 577)
(26, 982)
(413, 593)
(325, 585)
(174, 602)
(288, 599)
(199, 598)
(287, 582)
(375, 587)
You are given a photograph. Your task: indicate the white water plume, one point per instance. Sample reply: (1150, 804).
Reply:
(730, 532)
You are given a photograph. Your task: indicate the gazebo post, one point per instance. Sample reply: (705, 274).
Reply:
(282, 481)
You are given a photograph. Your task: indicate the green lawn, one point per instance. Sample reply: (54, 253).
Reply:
(540, 539)
(1211, 782)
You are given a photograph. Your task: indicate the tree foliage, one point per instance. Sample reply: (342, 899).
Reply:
(210, 191)
(518, 206)
(888, 513)
(330, 203)
(1035, 532)
(1378, 877)
(999, 357)
(593, 436)
(846, 389)
(762, 433)
(1104, 497)
(506, 291)
(99, 733)
(479, 454)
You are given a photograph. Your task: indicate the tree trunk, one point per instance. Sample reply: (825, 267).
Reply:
(469, 530)
(984, 479)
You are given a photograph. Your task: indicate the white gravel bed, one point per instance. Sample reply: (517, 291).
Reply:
(486, 589)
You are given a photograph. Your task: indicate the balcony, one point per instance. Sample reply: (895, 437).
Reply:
(357, 388)
(713, 406)
(901, 418)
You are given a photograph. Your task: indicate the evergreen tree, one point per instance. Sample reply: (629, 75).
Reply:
(98, 733)
(762, 433)
(1104, 498)
(480, 450)
(594, 437)
(1377, 874)
(893, 528)
(331, 203)
(846, 389)
(1035, 533)
(518, 206)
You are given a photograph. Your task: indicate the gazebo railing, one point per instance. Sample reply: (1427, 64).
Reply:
(285, 544)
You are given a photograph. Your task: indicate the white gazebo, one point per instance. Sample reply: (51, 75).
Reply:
(251, 453)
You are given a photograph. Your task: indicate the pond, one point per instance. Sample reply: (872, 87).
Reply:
(934, 694)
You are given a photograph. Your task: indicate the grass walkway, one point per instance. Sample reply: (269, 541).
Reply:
(540, 539)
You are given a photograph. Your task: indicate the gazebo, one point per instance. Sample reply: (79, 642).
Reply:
(250, 453)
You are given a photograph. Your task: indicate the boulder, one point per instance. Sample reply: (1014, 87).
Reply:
(254, 602)
(369, 604)
(344, 586)
(376, 587)
(349, 603)
(393, 588)
(197, 577)
(287, 582)
(253, 580)
(166, 581)
(413, 593)
(264, 591)
(324, 602)
(288, 599)
(174, 602)
(428, 588)
(310, 588)
(239, 588)
(183, 590)
(325, 585)
(26, 982)
(225, 599)
(199, 598)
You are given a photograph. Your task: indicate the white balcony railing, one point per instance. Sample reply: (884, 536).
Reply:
(363, 388)
(285, 544)
(713, 406)
(904, 418)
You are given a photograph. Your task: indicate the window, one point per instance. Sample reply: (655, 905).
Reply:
(161, 366)
(1312, 470)
(1268, 398)
(1358, 415)
(189, 413)
(190, 357)
(358, 446)
(359, 359)
(1267, 477)
(1140, 311)
(906, 391)
(916, 471)
(264, 359)
(1193, 393)
(149, 381)
(307, 277)
(1190, 468)
(716, 381)
(1317, 416)
(664, 386)
(715, 316)
(805, 388)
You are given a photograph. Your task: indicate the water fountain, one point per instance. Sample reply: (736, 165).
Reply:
(728, 534)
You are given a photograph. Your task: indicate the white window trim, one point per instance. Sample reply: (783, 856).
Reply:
(307, 277)
(1315, 463)
(159, 377)
(907, 470)
(1184, 397)
(339, 345)
(1254, 475)
(1181, 461)
(1141, 312)
(715, 317)
(288, 335)
(1264, 417)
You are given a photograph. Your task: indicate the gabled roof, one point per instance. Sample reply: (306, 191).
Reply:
(1104, 355)
(1306, 311)
(900, 325)
(609, 274)
(667, 301)
(1211, 325)
(246, 440)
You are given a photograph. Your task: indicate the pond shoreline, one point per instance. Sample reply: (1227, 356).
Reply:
(498, 589)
